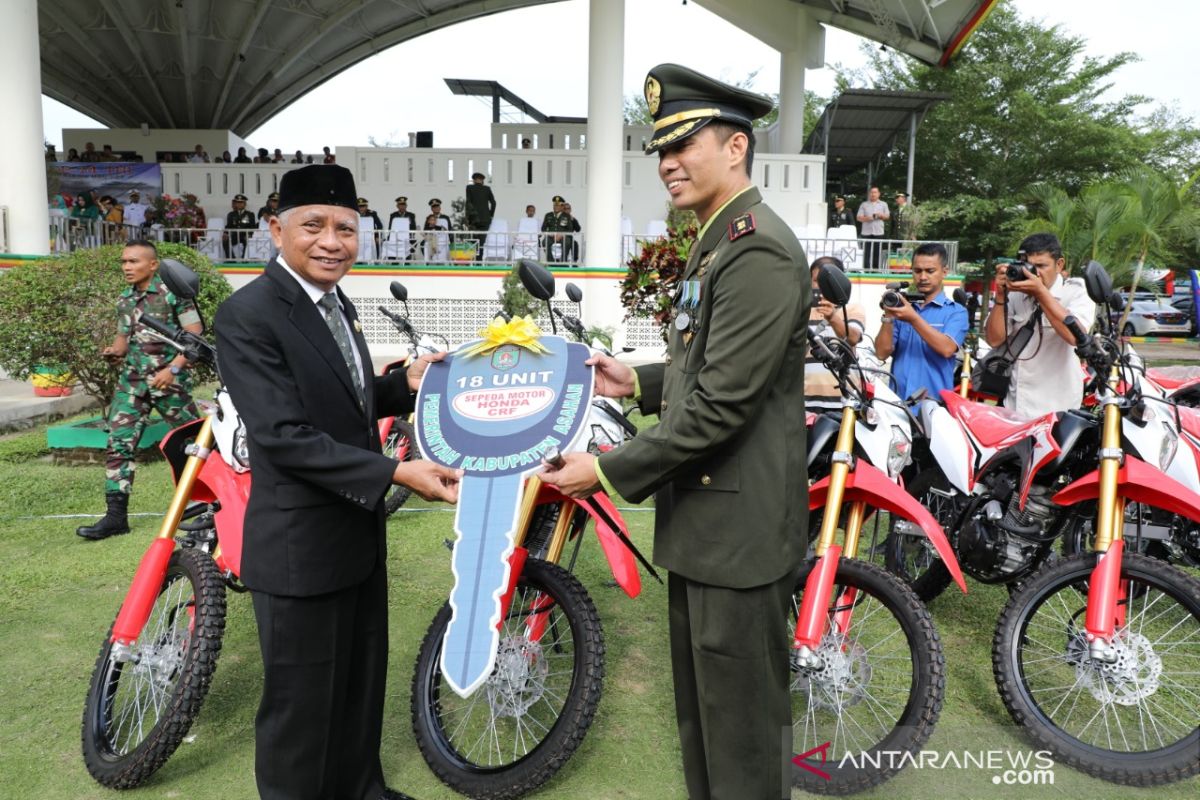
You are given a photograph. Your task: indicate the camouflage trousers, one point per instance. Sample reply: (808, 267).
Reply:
(131, 407)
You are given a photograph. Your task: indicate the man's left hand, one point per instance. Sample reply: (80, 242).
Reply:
(162, 379)
(905, 312)
(416, 370)
(575, 478)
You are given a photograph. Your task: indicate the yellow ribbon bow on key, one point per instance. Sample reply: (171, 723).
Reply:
(521, 331)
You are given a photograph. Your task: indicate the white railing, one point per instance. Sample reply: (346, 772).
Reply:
(3, 229)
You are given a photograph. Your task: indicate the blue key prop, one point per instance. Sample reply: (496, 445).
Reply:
(492, 409)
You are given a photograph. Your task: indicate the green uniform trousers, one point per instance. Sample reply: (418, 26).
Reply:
(729, 656)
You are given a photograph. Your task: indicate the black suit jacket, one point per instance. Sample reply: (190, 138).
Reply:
(315, 520)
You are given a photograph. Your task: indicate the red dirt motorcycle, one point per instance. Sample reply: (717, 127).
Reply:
(518, 729)
(867, 670)
(1096, 655)
(157, 662)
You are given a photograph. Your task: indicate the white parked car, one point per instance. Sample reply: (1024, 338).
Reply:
(1155, 318)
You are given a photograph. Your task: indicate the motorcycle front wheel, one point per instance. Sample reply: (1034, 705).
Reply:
(1134, 720)
(400, 444)
(519, 728)
(140, 707)
(875, 687)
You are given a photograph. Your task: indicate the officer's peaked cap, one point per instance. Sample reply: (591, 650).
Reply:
(682, 102)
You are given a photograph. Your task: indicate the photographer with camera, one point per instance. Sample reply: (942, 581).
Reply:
(922, 329)
(1046, 375)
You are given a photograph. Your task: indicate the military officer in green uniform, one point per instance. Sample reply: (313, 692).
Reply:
(237, 221)
(555, 224)
(726, 460)
(153, 375)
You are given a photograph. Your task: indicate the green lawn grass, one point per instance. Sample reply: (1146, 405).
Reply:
(58, 595)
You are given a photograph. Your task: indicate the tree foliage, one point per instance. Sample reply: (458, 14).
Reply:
(1027, 107)
(61, 312)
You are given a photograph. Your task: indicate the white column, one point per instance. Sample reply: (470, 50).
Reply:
(605, 149)
(791, 101)
(808, 52)
(22, 155)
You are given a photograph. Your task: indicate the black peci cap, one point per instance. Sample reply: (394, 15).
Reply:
(682, 101)
(318, 185)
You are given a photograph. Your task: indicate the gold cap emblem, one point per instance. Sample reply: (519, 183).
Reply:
(653, 94)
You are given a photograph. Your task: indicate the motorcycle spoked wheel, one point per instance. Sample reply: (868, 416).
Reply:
(137, 712)
(910, 556)
(1135, 721)
(401, 444)
(519, 728)
(874, 691)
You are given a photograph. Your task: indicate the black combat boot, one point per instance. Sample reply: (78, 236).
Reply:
(114, 522)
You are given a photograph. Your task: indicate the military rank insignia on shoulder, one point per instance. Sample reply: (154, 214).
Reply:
(741, 226)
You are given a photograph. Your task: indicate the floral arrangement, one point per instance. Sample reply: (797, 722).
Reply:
(175, 212)
(649, 284)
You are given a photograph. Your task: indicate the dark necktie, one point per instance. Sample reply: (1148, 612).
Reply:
(333, 318)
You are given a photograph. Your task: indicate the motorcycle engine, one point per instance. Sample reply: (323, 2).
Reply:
(1000, 540)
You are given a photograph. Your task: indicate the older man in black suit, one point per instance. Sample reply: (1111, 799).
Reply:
(297, 366)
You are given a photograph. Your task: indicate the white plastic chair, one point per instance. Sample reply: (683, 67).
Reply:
(398, 242)
(258, 246)
(210, 245)
(630, 248)
(366, 239)
(525, 243)
(495, 247)
(656, 229)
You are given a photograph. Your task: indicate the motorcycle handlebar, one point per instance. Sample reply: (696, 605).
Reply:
(158, 326)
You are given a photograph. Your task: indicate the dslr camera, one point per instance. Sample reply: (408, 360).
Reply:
(894, 295)
(1015, 270)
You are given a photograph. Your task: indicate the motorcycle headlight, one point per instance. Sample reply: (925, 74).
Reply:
(241, 450)
(899, 451)
(1170, 443)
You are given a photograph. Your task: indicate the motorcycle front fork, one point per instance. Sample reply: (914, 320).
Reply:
(147, 581)
(1107, 593)
(812, 618)
(535, 623)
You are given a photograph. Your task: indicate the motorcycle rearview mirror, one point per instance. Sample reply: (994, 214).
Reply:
(833, 283)
(400, 292)
(181, 281)
(574, 293)
(1098, 283)
(960, 296)
(536, 279)
(539, 282)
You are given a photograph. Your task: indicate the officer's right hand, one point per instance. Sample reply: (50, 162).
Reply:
(612, 378)
(429, 480)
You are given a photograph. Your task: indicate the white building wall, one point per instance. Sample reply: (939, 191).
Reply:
(791, 185)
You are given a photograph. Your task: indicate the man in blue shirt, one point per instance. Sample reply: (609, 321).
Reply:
(924, 339)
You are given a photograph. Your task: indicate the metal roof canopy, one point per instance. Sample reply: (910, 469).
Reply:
(861, 126)
(219, 64)
(497, 91)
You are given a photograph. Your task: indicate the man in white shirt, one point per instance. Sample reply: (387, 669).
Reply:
(198, 156)
(135, 210)
(873, 215)
(1046, 375)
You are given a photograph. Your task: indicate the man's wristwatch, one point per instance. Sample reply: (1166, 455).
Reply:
(175, 370)
(886, 319)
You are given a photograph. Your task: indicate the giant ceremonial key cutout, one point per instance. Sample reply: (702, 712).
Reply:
(492, 409)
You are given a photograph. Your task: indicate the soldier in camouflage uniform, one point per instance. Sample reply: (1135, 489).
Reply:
(153, 375)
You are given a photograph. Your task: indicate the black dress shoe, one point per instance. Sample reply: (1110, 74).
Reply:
(392, 794)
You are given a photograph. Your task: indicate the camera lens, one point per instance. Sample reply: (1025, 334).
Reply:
(891, 299)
